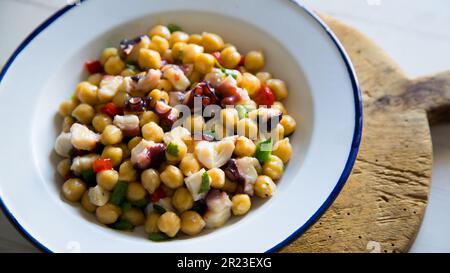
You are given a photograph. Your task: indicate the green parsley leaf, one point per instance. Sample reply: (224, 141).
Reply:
(264, 150)
(229, 72)
(158, 237)
(206, 181)
(172, 28)
(126, 206)
(118, 194)
(89, 177)
(123, 225)
(172, 149)
(159, 209)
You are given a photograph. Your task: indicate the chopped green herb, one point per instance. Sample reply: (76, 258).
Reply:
(123, 225)
(159, 209)
(229, 72)
(218, 64)
(118, 194)
(89, 177)
(131, 67)
(206, 181)
(242, 111)
(264, 150)
(172, 149)
(126, 206)
(158, 237)
(172, 28)
(141, 203)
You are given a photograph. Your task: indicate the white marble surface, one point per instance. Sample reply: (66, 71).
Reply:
(414, 32)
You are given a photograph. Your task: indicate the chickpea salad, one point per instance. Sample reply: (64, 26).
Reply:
(174, 132)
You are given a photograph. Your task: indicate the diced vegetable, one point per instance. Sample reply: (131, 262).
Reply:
(111, 109)
(93, 66)
(126, 206)
(123, 225)
(264, 96)
(159, 209)
(118, 194)
(158, 237)
(172, 28)
(264, 150)
(172, 149)
(206, 181)
(102, 164)
(89, 177)
(157, 194)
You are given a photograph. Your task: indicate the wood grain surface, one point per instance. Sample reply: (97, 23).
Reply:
(381, 207)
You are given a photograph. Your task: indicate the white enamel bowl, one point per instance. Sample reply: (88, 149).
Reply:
(324, 99)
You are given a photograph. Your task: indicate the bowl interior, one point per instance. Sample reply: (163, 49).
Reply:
(300, 53)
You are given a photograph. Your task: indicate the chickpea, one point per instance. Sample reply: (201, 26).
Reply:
(164, 85)
(114, 65)
(254, 61)
(178, 36)
(264, 186)
(230, 57)
(150, 180)
(244, 147)
(135, 192)
(241, 204)
(263, 77)
(283, 150)
(86, 203)
(178, 50)
(217, 178)
(149, 59)
(248, 128)
(189, 164)
(190, 52)
(158, 95)
(279, 106)
(250, 83)
(159, 44)
(73, 189)
(273, 167)
(133, 142)
(194, 123)
(108, 213)
(67, 123)
(204, 63)
(127, 172)
(195, 39)
(144, 43)
(84, 113)
(151, 223)
(182, 200)
(289, 124)
(121, 98)
(212, 42)
(195, 77)
(192, 223)
(147, 117)
(113, 153)
(107, 53)
(152, 131)
(107, 179)
(160, 30)
(63, 167)
(229, 117)
(128, 72)
(135, 216)
(100, 121)
(111, 135)
(278, 87)
(172, 177)
(66, 108)
(169, 223)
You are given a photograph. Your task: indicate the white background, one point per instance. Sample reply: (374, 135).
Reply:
(415, 33)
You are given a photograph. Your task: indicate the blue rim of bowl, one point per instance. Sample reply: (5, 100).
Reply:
(342, 179)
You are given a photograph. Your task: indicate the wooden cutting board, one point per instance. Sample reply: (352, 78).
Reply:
(382, 205)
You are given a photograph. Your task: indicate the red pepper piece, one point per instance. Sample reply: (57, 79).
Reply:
(157, 194)
(102, 164)
(93, 66)
(264, 96)
(111, 109)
